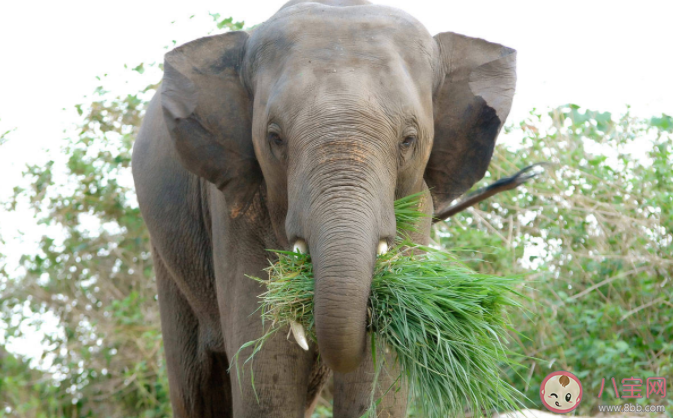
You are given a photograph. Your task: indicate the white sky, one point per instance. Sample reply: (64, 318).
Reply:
(599, 54)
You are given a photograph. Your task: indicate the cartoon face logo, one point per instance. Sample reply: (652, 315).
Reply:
(561, 392)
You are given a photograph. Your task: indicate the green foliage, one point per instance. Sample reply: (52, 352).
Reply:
(92, 271)
(595, 237)
(227, 23)
(4, 134)
(29, 392)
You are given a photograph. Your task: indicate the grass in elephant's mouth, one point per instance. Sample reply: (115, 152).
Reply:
(445, 323)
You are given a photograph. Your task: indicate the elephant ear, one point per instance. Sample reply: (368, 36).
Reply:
(208, 113)
(471, 103)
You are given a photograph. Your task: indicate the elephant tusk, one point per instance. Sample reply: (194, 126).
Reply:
(298, 332)
(382, 248)
(300, 247)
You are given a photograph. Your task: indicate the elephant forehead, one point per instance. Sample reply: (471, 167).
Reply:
(342, 36)
(347, 97)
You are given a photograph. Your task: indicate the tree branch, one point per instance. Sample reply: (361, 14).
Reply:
(504, 184)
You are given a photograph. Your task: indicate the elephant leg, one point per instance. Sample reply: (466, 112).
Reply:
(319, 376)
(199, 385)
(275, 384)
(352, 391)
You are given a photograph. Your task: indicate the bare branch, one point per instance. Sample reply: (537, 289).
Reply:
(504, 184)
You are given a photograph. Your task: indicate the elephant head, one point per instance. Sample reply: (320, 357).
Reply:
(332, 113)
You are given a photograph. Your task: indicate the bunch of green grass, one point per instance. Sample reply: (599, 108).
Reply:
(445, 323)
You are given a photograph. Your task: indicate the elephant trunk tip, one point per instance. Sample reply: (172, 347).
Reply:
(345, 360)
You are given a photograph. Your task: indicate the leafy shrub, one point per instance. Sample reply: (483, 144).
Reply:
(595, 238)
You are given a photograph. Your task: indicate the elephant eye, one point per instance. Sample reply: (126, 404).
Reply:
(408, 141)
(275, 139)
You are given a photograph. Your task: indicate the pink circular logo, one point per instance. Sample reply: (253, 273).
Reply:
(561, 392)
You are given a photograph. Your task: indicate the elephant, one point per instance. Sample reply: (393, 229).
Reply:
(299, 134)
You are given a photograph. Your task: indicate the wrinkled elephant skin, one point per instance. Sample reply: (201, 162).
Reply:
(301, 133)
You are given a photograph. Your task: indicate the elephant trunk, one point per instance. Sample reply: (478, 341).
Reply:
(343, 247)
(341, 192)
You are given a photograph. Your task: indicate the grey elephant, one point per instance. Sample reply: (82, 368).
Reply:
(300, 134)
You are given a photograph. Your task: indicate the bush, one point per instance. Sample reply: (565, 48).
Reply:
(595, 239)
